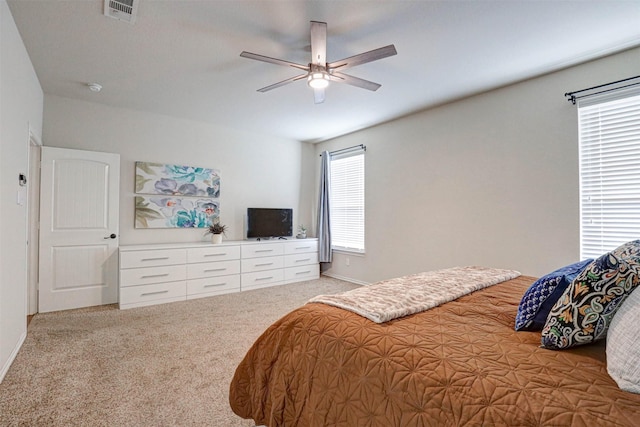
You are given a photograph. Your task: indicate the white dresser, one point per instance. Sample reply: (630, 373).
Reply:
(274, 263)
(156, 274)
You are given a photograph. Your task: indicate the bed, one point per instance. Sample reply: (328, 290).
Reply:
(459, 364)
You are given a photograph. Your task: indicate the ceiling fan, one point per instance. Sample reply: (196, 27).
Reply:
(319, 72)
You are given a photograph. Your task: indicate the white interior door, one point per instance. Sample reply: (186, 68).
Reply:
(79, 199)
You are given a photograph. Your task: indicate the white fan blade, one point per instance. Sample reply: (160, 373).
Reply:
(318, 43)
(282, 83)
(275, 61)
(318, 96)
(354, 81)
(363, 58)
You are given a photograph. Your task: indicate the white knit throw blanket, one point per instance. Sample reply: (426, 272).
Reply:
(402, 296)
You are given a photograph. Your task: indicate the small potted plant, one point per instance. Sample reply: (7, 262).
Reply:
(302, 232)
(216, 230)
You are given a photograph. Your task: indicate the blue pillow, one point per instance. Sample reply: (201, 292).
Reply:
(538, 300)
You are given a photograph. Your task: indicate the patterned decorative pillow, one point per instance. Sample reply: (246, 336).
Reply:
(537, 301)
(623, 345)
(584, 311)
(628, 249)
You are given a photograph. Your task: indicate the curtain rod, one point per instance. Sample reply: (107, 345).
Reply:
(571, 96)
(342, 150)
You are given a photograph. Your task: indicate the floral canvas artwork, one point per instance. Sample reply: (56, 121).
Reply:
(174, 180)
(176, 196)
(175, 212)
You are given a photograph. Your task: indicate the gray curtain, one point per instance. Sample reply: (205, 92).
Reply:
(324, 222)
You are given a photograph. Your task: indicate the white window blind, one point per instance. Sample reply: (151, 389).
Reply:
(609, 173)
(346, 204)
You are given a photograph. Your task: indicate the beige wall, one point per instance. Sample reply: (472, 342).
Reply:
(489, 180)
(256, 170)
(20, 110)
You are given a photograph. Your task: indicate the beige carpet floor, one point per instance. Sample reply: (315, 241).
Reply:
(165, 365)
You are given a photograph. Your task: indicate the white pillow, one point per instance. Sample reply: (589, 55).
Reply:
(623, 344)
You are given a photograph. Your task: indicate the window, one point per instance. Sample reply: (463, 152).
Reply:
(347, 201)
(609, 171)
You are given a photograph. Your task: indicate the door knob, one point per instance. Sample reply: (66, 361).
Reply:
(111, 236)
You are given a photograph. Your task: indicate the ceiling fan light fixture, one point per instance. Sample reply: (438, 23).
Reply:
(318, 80)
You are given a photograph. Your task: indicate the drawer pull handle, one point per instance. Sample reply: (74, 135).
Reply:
(214, 269)
(303, 247)
(155, 259)
(154, 275)
(264, 264)
(303, 272)
(154, 293)
(264, 278)
(215, 284)
(264, 250)
(303, 260)
(220, 254)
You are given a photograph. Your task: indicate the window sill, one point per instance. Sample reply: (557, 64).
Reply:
(348, 251)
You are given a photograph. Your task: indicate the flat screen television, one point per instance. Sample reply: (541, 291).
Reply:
(264, 223)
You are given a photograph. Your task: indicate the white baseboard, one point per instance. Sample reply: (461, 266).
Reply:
(346, 279)
(12, 356)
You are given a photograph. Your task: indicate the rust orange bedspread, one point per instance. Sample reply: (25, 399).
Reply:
(460, 364)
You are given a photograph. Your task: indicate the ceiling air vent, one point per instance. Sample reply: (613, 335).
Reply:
(124, 10)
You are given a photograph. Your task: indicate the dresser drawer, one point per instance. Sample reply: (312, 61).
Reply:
(145, 276)
(213, 253)
(262, 250)
(198, 288)
(301, 246)
(138, 296)
(211, 269)
(261, 279)
(260, 264)
(305, 272)
(152, 258)
(300, 259)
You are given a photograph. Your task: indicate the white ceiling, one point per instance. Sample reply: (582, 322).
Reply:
(181, 58)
